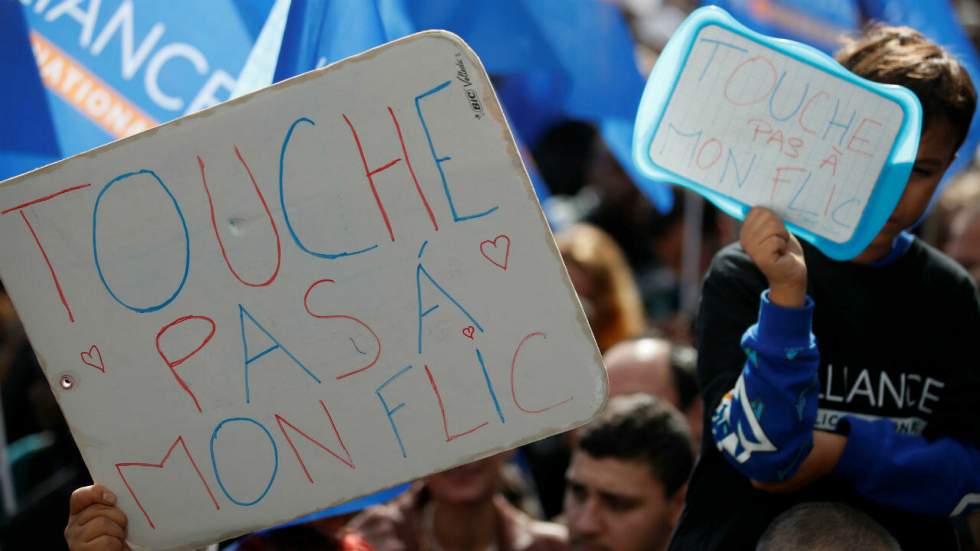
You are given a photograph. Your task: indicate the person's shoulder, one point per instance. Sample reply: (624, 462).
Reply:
(545, 536)
(353, 542)
(938, 270)
(731, 260)
(526, 533)
(397, 511)
(732, 268)
(390, 526)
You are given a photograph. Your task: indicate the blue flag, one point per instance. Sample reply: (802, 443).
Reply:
(819, 24)
(112, 68)
(553, 59)
(319, 32)
(559, 59)
(27, 137)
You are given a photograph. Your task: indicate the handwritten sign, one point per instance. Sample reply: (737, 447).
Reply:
(749, 120)
(301, 296)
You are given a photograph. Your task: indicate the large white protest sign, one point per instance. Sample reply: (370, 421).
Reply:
(300, 296)
(749, 120)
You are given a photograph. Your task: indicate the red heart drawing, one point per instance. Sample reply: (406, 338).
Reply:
(468, 332)
(489, 250)
(88, 358)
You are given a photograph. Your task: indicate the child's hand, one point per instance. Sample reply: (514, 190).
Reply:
(95, 523)
(821, 461)
(778, 255)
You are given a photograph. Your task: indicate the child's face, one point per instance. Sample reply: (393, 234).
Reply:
(936, 152)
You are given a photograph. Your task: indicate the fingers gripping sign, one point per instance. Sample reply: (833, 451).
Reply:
(778, 255)
(94, 521)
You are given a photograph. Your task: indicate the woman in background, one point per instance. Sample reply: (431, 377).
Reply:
(604, 283)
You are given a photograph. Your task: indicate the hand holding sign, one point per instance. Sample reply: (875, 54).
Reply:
(94, 521)
(748, 120)
(777, 254)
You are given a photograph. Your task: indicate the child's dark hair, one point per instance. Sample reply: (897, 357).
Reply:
(901, 55)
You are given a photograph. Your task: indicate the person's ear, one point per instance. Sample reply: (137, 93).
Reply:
(675, 504)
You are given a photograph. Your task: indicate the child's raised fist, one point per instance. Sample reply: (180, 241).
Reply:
(778, 255)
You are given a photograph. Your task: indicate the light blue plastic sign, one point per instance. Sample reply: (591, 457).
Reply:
(745, 119)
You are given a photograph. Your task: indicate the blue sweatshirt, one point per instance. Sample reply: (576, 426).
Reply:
(764, 427)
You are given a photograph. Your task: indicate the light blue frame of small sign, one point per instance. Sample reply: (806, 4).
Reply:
(894, 173)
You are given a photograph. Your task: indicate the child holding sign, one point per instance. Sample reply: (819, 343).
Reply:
(852, 381)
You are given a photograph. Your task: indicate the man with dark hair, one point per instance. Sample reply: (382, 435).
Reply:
(628, 476)
(825, 526)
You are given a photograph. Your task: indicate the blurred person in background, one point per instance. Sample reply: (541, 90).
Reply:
(326, 534)
(461, 509)
(628, 476)
(605, 286)
(656, 366)
(331, 532)
(302, 538)
(955, 224)
(604, 283)
(590, 186)
(648, 365)
(964, 240)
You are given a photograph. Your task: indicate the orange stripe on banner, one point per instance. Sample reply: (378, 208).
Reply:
(805, 25)
(95, 99)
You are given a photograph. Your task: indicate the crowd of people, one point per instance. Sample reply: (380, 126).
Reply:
(712, 437)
